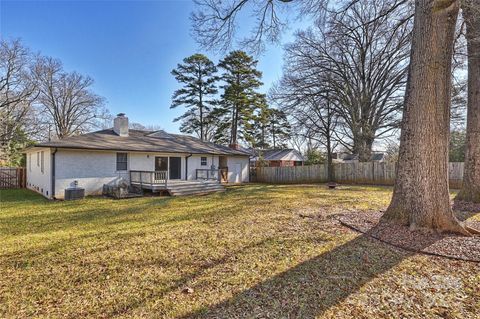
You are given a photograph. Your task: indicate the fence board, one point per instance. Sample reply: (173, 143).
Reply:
(12, 177)
(348, 173)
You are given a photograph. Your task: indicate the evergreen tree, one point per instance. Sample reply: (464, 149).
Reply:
(239, 99)
(257, 129)
(314, 157)
(280, 128)
(269, 127)
(198, 76)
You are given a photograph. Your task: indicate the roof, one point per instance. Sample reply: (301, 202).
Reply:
(378, 156)
(142, 141)
(350, 157)
(354, 157)
(282, 155)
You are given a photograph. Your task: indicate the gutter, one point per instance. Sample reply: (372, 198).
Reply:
(186, 165)
(240, 153)
(53, 173)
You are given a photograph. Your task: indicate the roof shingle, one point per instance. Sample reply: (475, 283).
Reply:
(142, 141)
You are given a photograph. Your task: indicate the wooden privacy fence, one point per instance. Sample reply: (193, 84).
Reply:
(12, 177)
(348, 173)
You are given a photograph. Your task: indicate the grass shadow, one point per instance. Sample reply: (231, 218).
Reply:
(312, 287)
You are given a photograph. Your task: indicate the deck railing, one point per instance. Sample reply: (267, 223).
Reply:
(212, 174)
(149, 177)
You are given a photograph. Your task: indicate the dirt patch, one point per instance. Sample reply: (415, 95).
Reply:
(420, 241)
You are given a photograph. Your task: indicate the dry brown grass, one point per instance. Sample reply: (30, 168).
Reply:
(256, 251)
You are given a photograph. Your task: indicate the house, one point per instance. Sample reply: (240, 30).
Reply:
(151, 159)
(378, 157)
(278, 158)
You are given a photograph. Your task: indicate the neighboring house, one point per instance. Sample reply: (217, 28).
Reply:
(378, 157)
(108, 156)
(278, 158)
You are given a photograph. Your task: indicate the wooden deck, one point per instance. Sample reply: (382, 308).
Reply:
(157, 181)
(152, 180)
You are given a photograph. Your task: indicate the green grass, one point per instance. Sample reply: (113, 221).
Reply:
(256, 251)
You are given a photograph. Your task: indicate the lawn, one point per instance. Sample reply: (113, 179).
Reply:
(256, 251)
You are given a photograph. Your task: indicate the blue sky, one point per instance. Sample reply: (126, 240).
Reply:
(128, 47)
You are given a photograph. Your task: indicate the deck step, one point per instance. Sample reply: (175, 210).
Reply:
(198, 192)
(194, 188)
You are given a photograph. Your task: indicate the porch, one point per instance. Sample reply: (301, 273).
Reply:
(157, 181)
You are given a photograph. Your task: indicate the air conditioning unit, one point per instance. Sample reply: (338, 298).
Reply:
(74, 193)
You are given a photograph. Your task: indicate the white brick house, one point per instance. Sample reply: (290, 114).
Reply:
(105, 157)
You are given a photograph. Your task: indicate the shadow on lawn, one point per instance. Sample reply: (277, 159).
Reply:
(312, 287)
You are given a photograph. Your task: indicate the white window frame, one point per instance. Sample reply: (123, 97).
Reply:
(202, 163)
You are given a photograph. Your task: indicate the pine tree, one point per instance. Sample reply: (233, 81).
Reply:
(280, 129)
(268, 128)
(198, 76)
(240, 98)
(257, 129)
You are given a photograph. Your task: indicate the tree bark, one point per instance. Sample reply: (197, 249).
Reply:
(421, 195)
(471, 177)
(365, 151)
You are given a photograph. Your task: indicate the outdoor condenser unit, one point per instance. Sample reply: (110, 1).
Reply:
(75, 192)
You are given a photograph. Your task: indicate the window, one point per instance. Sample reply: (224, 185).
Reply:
(38, 159)
(42, 161)
(30, 162)
(122, 159)
(203, 161)
(161, 163)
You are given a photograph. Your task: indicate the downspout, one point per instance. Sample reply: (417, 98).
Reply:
(250, 170)
(53, 173)
(186, 165)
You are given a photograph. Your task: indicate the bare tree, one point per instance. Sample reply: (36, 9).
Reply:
(362, 64)
(215, 21)
(310, 109)
(17, 91)
(67, 100)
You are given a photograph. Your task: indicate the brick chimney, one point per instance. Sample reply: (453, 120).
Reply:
(120, 125)
(234, 146)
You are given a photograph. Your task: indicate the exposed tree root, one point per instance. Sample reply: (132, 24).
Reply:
(449, 224)
(472, 230)
(456, 228)
(419, 240)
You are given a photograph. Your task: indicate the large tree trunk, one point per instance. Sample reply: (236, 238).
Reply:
(471, 177)
(421, 195)
(365, 153)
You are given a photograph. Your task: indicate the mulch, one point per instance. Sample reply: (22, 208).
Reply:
(420, 241)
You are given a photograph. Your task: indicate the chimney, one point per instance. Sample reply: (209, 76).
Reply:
(120, 125)
(234, 146)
